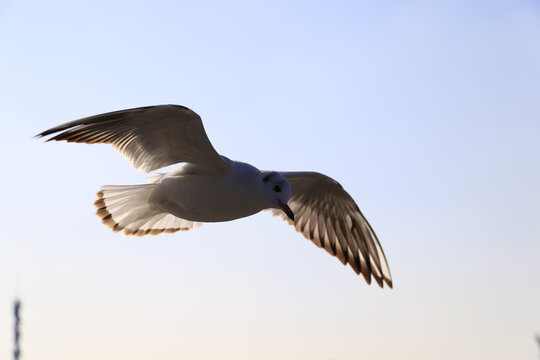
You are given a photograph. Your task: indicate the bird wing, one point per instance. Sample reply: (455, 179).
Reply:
(328, 216)
(149, 137)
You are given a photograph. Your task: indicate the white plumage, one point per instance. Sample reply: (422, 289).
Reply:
(211, 188)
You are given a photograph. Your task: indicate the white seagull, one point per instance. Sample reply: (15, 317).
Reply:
(211, 188)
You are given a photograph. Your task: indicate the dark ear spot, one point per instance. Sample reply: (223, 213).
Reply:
(266, 178)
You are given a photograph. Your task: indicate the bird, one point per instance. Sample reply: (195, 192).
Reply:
(208, 187)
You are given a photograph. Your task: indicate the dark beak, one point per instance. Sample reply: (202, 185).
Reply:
(287, 210)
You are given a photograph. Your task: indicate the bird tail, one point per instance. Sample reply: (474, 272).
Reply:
(126, 207)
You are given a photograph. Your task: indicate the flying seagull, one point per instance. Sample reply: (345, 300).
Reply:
(209, 187)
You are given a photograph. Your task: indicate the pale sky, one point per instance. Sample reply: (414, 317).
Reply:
(427, 113)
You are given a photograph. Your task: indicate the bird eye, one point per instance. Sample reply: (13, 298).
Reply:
(277, 188)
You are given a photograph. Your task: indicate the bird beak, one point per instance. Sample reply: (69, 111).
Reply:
(287, 210)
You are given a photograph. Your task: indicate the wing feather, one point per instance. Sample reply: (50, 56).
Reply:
(327, 215)
(149, 138)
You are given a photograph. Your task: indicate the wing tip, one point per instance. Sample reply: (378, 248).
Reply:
(381, 281)
(42, 135)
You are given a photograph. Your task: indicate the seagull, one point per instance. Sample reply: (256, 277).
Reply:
(209, 187)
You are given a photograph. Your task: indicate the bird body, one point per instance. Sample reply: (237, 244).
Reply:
(202, 197)
(209, 187)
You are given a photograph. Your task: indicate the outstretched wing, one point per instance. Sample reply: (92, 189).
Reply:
(327, 215)
(149, 137)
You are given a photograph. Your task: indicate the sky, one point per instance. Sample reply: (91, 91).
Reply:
(426, 112)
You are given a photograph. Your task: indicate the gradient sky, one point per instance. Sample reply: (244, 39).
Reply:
(428, 113)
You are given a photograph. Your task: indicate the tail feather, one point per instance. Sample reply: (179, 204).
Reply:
(127, 208)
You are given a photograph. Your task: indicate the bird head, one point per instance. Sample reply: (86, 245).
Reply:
(278, 191)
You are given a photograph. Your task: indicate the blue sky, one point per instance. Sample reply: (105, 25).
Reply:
(426, 112)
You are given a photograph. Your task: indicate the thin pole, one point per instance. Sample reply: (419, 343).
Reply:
(17, 332)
